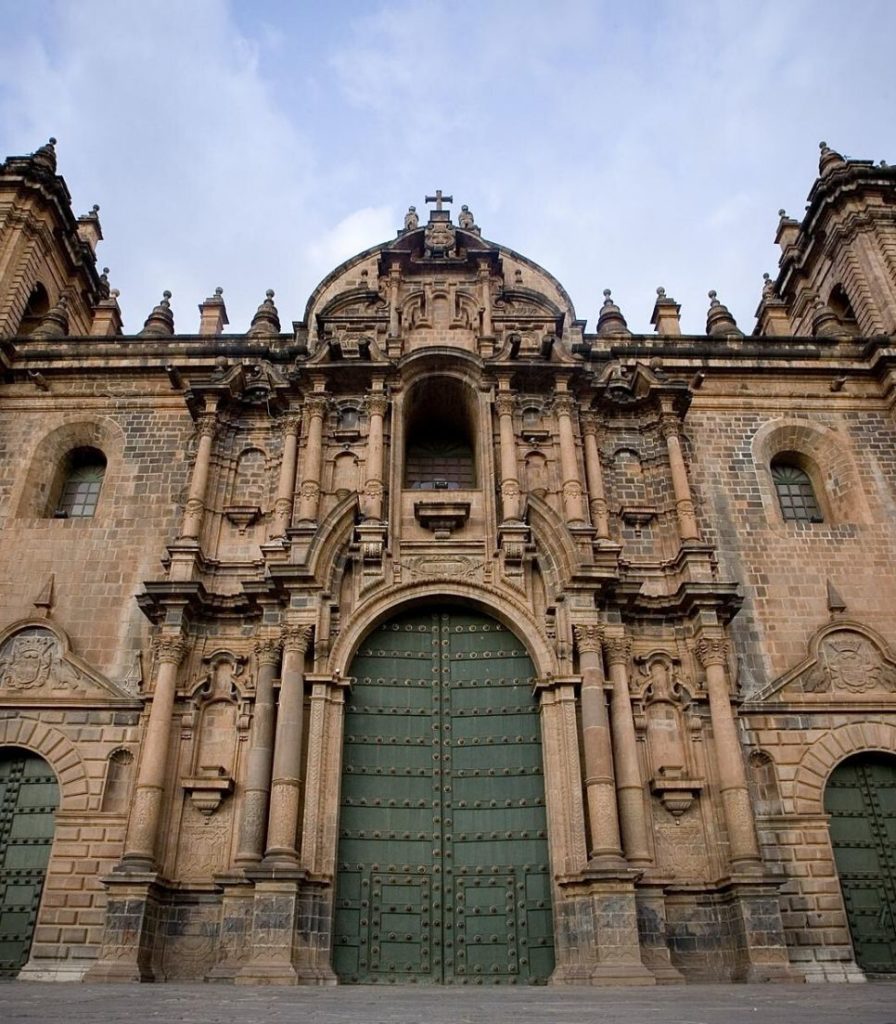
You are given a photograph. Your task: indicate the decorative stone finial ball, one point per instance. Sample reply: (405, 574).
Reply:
(219, 290)
(52, 141)
(269, 293)
(782, 212)
(712, 293)
(661, 291)
(166, 294)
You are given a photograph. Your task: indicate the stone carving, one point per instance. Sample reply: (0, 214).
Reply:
(844, 660)
(456, 567)
(440, 238)
(848, 662)
(35, 661)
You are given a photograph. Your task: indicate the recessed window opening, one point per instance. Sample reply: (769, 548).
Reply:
(81, 484)
(796, 495)
(439, 452)
(841, 307)
(37, 308)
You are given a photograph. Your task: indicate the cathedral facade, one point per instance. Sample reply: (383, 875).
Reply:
(437, 639)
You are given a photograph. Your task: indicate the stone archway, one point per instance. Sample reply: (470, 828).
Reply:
(860, 799)
(29, 797)
(443, 855)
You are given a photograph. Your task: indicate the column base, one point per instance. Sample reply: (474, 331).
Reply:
(133, 916)
(597, 935)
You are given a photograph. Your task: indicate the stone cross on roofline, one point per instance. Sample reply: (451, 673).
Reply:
(438, 199)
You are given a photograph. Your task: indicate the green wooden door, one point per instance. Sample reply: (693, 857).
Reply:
(29, 796)
(861, 800)
(443, 862)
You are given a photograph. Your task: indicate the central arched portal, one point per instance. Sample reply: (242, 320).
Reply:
(443, 856)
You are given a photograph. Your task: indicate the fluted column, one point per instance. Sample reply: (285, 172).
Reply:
(600, 786)
(261, 755)
(510, 484)
(286, 483)
(146, 810)
(283, 818)
(598, 499)
(629, 787)
(573, 505)
(713, 655)
(192, 521)
(372, 506)
(684, 503)
(309, 492)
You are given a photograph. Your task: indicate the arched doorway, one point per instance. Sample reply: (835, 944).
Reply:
(29, 796)
(860, 798)
(443, 858)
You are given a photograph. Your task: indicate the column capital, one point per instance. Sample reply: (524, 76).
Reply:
(505, 403)
(290, 424)
(295, 638)
(207, 425)
(713, 650)
(377, 403)
(316, 404)
(590, 422)
(618, 649)
(670, 425)
(565, 404)
(170, 648)
(267, 650)
(589, 639)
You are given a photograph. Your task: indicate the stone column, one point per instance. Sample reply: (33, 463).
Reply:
(573, 505)
(309, 492)
(286, 484)
(744, 846)
(372, 504)
(146, 809)
(192, 521)
(394, 282)
(600, 786)
(283, 817)
(684, 503)
(510, 484)
(598, 501)
(261, 755)
(629, 787)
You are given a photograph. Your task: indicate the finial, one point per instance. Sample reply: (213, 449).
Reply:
(828, 159)
(719, 321)
(782, 212)
(661, 291)
(51, 141)
(219, 291)
(160, 322)
(95, 208)
(822, 146)
(611, 321)
(411, 220)
(266, 321)
(115, 293)
(768, 286)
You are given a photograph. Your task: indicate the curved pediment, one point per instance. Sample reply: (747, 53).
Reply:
(845, 661)
(36, 663)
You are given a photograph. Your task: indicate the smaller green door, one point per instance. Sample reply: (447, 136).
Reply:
(861, 800)
(29, 796)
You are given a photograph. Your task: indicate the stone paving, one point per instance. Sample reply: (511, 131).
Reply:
(211, 1004)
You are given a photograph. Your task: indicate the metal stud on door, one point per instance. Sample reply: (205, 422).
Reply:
(443, 873)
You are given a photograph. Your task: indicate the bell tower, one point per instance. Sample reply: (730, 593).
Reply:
(49, 282)
(838, 266)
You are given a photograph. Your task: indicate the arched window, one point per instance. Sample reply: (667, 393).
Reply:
(439, 452)
(81, 483)
(841, 307)
(796, 495)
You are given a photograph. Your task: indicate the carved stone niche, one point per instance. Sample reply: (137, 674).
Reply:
(665, 699)
(442, 516)
(216, 699)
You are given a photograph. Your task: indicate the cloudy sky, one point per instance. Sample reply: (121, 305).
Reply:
(255, 144)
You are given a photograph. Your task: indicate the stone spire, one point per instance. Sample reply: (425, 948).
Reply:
(719, 321)
(89, 229)
(266, 320)
(45, 157)
(55, 323)
(160, 322)
(771, 314)
(829, 159)
(611, 322)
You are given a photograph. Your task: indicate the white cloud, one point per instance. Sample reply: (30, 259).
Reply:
(621, 145)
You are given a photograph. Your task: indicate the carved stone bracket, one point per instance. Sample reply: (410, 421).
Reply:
(676, 792)
(442, 517)
(208, 790)
(242, 516)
